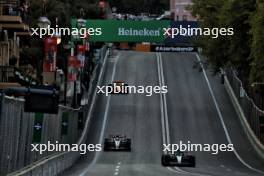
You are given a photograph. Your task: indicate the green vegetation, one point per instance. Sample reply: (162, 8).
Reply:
(64, 10)
(140, 6)
(257, 44)
(242, 51)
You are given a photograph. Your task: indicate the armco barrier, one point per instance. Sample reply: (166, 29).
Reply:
(247, 111)
(57, 162)
(16, 135)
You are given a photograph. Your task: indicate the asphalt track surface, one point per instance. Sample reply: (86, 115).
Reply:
(197, 109)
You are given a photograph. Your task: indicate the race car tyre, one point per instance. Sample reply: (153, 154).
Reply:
(163, 161)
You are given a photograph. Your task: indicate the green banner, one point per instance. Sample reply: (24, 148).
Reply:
(122, 30)
(38, 124)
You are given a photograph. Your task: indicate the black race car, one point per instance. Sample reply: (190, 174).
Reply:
(117, 143)
(118, 87)
(178, 159)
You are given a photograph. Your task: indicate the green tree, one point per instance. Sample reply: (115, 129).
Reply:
(64, 10)
(207, 12)
(140, 6)
(226, 50)
(236, 14)
(257, 45)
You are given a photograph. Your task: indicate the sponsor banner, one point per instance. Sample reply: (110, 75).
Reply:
(87, 46)
(81, 49)
(81, 55)
(123, 31)
(131, 31)
(161, 48)
(73, 63)
(38, 125)
(50, 47)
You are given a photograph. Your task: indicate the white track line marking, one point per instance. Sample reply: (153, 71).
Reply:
(175, 171)
(93, 100)
(161, 103)
(191, 173)
(117, 168)
(180, 171)
(165, 117)
(165, 102)
(163, 106)
(164, 111)
(163, 127)
(222, 120)
(104, 122)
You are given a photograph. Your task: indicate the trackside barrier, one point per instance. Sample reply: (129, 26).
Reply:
(250, 115)
(55, 163)
(17, 131)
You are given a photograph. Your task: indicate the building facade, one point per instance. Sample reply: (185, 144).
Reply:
(179, 12)
(13, 32)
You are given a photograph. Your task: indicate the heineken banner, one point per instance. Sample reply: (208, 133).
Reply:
(154, 31)
(121, 31)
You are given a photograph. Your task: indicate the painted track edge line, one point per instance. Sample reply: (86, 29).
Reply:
(222, 120)
(259, 148)
(161, 103)
(167, 124)
(104, 124)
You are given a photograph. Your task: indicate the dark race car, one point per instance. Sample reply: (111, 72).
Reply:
(118, 87)
(117, 143)
(179, 159)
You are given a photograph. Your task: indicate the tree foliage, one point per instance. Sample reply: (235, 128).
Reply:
(64, 10)
(207, 11)
(244, 50)
(140, 6)
(257, 44)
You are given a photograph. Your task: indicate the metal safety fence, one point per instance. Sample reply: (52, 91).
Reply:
(18, 130)
(253, 114)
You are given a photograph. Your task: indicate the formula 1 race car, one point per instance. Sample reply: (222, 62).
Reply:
(117, 143)
(118, 87)
(178, 159)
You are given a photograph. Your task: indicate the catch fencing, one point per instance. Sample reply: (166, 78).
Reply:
(253, 114)
(18, 130)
